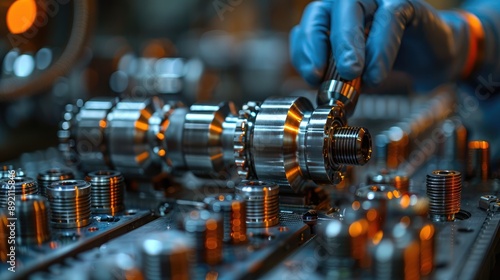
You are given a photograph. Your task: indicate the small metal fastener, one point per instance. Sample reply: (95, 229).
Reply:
(489, 202)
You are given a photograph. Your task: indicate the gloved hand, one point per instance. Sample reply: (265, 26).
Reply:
(407, 35)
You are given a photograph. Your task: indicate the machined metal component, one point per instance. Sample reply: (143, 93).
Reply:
(49, 176)
(427, 236)
(338, 91)
(90, 128)
(489, 203)
(115, 267)
(67, 133)
(336, 246)
(478, 161)
(16, 186)
(243, 138)
(262, 202)
(107, 191)
(378, 192)
(167, 255)
(452, 151)
(33, 220)
(134, 135)
(444, 188)
(206, 229)
(6, 171)
(293, 143)
(69, 203)
(232, 208)
(208, 137)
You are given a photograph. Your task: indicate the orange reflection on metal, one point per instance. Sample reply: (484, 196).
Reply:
(377, 237)
(102, 123)
(411, 260)
(356, 205)
(141, 126)
(405, 201)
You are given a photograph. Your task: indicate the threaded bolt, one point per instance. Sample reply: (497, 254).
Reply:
(351, 145)
(444, 189)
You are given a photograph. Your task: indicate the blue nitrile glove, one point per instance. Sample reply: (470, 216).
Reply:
(407, 35)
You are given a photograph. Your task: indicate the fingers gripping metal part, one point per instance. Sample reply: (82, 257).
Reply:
(337, 91)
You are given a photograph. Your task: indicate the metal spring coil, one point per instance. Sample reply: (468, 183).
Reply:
(69, 203)
(262, 200)
(49, 176)
(233, 211)
(33, 221)
(107, 190)
(21, 186)
(444, 189)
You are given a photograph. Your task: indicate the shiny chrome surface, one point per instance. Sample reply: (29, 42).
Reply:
(444, 189)
(132, 134)
(107, 191)
(32, 212)
(262, 202)
(204, 140)
(243, 139)
(21, 186)
(52, 175)
(90, 127)
(233, 209)
(206, 231)
(69, 203)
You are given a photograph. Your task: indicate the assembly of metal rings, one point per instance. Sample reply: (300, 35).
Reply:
(33, 221)
(205, 229)
(444, 189)
(107, 191)
(233, 211)
(49, 176)
(21, 186)
(69, 203)
(166, 255)
(262, 200)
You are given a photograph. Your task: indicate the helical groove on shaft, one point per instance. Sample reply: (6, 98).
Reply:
(444, 189)
(352, 146)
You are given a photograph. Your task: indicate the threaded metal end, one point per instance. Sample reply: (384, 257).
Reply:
(49, 176)
(107, 189)
(262, 200)
(444, 189)
(351, 145)
(69, 203)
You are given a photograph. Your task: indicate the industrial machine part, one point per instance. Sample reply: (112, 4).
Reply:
(262, 199)
(167, 255)
(69, 203)
(478, 161)
(233, 210)
(206, 231)
(283, 139)
(444, 188)
(16, 186)
(337, 91)
(107, 191)
(32, 214)
(47, 177)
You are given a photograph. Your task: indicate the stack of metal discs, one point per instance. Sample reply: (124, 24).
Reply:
(166, 255)
(233, 211)
(108, 189)
(206, 230)
(262, 200)
(69, 203)
(49, 176)
(20, 186)
(33, 223)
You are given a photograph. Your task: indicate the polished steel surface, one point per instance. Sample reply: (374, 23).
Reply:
(32, 212)
(131, 135)
(204, 140)
(478, 160)
(52, 175)
(107, 191)
(262, 202)
(206, 231)
(69, 203)
(444, 189)
(233, 209)
(16, 186)
(243, 139)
